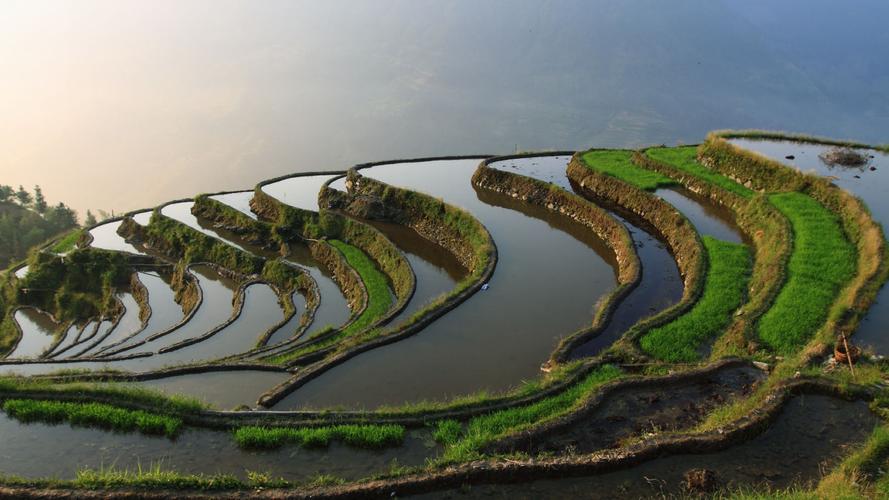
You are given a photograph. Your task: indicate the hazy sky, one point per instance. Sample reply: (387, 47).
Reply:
(123, 104)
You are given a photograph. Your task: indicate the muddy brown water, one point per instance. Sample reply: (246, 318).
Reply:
(870, 186)
(546, 285)
(39, 450)
(660, 285)
(37, 331)
(811, 436)
(636, 411)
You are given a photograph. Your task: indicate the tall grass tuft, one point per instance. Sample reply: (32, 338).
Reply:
(360, 436)
(152, 477)
(92, 415)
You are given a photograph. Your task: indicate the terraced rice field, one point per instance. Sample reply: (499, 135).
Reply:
(440, 325)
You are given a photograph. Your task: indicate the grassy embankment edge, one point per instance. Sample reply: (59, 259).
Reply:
(76, 287)
(92, 415)
(264, 235)
(449, 226)
(463, 445)
(317, 229)
(762, 224)
(724, 292)
(678, 233)
(379, 302)
(356, 435)
(756, 134)
(851, 303)
(525, 189)
(821, 263)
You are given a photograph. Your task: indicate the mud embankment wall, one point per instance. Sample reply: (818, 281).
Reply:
(772, 239)
(764, 174)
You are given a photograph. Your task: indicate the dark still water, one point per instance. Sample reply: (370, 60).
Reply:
(123, 105)
(498, 337)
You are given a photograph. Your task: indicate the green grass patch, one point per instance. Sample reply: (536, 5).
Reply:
(152, 478)
(724, 291)
(379, 297)
(92, 415)
(559, 374)
(868, 460)
(379, 300)
(685, 158)
(821, 263)
(21, 387)
(361, 436)
(484, 430)
(67, 242)
(619, 163)
(447, 431)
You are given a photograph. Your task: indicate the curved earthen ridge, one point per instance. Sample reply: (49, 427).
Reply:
(764, 228)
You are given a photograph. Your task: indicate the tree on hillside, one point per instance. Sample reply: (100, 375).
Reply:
(90, 219)
(23, 196)
(61, 218)
(6, 194)
(23, 227)
(39, 201)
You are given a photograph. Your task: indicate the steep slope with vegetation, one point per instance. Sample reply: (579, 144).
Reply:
(27, 220)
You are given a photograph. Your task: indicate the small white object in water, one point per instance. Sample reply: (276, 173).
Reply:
(485, 286)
